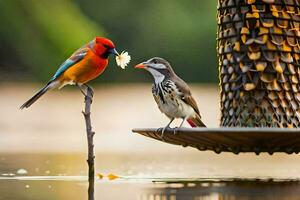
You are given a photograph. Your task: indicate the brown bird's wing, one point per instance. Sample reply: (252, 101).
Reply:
(191, 101)
(188, 99)
(186, 94)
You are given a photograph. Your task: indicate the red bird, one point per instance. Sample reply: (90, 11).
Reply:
(84, 65)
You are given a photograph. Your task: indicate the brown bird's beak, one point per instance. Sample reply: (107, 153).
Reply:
(140, 66)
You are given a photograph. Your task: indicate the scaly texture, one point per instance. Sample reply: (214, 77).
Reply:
(259, 62)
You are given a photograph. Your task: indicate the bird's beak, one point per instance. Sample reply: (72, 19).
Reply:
(140, 66)
(113, 51)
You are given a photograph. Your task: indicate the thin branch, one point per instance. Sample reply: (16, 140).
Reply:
(90, 135)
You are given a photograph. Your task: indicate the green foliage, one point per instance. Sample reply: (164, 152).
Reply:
(41, 35)
(44, 33)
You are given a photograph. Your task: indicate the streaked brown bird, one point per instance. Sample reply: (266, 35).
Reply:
(171, 93)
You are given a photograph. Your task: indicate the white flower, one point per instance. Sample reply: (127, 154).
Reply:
(123, 59)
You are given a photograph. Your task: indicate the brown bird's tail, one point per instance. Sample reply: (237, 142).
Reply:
(195, 122)
(40, 93)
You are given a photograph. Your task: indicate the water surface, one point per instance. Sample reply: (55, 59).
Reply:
(48, 141)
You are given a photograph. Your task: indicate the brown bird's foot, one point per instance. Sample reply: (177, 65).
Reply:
(159, 130)
(162, 131)
(175, 130)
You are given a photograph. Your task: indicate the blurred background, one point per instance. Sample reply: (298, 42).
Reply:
(49, 138)
(37, 36)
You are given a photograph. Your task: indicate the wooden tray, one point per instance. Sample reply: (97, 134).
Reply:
(233, 140)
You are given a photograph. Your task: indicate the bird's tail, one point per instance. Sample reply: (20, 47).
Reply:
(49, 86)
(195, 122)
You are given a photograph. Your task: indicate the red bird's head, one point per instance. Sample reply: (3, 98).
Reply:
(103, 47)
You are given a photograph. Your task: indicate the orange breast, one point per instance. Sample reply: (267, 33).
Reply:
(85, 70)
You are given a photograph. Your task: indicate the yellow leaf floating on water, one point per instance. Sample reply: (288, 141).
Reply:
(109, 176)
(112, 177)
(100, 176)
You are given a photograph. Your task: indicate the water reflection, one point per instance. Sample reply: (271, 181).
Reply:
(228, 190)
(91, 195)
(64, 177)
(64, 188)
(54, 166)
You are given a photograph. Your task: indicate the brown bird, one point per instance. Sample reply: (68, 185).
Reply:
(171, 93)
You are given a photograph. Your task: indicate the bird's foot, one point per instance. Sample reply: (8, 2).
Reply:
(175, 130)
(89, 90)
(159, 130)
(81, 90)
(162, 130)
(84, 93)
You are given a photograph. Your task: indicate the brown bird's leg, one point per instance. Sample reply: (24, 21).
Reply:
(176, 128)
(163, 129)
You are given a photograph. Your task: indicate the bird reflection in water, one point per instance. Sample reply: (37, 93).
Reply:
(227, 190)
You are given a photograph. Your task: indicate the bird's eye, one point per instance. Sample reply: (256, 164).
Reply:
(106, 46)
(155, 61)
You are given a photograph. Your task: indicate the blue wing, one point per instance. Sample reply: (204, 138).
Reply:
(75, 58)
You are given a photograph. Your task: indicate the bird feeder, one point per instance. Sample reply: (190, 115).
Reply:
(258, 45)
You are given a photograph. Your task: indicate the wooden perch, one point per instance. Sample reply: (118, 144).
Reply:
(90, 135)
(234, 140)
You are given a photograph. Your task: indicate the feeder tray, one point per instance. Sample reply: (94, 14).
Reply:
(235, 140)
